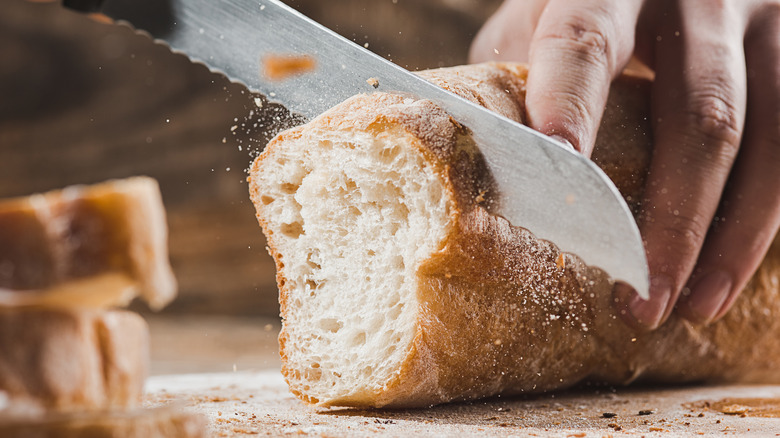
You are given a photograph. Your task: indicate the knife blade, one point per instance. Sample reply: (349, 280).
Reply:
(544, 186)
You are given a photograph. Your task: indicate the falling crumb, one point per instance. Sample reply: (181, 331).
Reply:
(268, 327)
(279, 67)
(734, 409)
(561, 261)
(258, 102)
(365, 45)
(481, 196)
(233, 128)
(374, 82)
(495, 51)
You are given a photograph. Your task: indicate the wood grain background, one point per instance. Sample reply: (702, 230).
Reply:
(82, 102)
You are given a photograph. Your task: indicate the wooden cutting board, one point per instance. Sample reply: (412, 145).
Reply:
(257, 403)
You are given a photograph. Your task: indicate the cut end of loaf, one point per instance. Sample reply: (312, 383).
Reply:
(349, 214)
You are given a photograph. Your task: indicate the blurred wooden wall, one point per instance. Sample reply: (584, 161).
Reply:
(82, 102)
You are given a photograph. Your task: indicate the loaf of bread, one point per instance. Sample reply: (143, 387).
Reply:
(398, 287)
(86, 246)
(63, 360)
(161, 422)
(67, 258)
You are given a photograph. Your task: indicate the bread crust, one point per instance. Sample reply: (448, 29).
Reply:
(57, 242)
(502, 312)
(58, 360)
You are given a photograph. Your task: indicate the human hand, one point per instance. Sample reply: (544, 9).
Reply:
(712, 197)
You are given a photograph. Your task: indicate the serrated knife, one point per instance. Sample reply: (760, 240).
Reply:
(544, 186)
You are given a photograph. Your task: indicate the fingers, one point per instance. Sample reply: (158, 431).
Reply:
(576, 51)
(506, 36)
(699, 104)
(750, 211)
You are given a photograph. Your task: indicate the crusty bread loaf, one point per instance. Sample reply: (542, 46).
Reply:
(399, 288)
(87, 246)
(62, 360)
(161, 422)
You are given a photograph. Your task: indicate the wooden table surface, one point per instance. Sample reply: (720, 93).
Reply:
(227, 368)
(257, 403)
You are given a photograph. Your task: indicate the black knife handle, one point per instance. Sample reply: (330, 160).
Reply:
(83, 5)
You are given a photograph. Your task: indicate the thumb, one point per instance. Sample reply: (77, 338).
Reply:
(576, 51)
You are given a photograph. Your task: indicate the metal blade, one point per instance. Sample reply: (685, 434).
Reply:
(544, 186)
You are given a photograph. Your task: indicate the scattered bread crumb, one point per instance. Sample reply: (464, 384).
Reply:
(279, 67)
(480, 197)
(374, 82)
(561, 261)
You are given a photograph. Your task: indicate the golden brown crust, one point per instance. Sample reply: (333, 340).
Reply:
(71, 360)
(64, 238)
(502, 312)
(536, 325)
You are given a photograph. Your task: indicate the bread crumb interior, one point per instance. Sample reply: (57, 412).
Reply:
(352, 215)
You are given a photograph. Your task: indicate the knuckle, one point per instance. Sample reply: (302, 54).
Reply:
(593, 39)
(582, 36)
(715, 118)
(673, 240)
(685, 232)
(675, 228)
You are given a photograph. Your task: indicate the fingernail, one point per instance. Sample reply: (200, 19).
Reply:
(651, 312)
(708, 295)
(562, 140)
